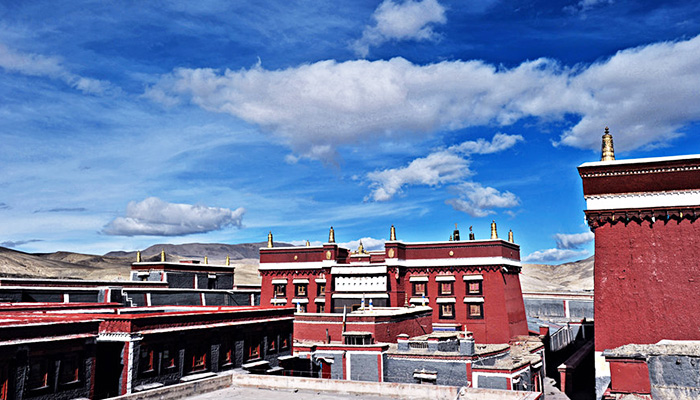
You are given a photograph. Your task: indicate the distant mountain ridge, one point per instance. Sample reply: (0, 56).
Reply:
(574, 276)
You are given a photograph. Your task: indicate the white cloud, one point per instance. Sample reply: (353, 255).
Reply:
(448, 167)
(367, 242)
(550, 255)
(500, 142)
(435, 169)
(155, 217)
(647, 95)
(477, 200)
(573, 241)
(410, 20)
(50, 67)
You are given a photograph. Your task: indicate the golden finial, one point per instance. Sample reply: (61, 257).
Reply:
(608, 151)
(494, 234)
(331, 236)
(162, 255)
(269, 240)
(471, 234)
(138, 255)
(392, 233)
(228, 260)
(455, 234)
(450, 238)
(206, 260)
(510, 236)
(360, 248)
(308, 244)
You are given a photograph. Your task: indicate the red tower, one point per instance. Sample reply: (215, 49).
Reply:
(647, 270)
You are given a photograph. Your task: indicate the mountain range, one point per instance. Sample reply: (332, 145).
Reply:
(115, 265)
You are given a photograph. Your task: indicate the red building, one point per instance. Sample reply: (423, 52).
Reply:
(471, 284)
(647, 271)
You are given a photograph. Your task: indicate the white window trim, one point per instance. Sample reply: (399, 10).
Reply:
(320, 300)
(418, 300)
(302, 301)
(473, 277)
(278, 301)
(320, 280)
(418, 279)
(445, 278)
(445, 300)
(279, 281)
(300, 281)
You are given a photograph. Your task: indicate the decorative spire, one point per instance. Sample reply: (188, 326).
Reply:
(392, 233)
(331, 236)
(455, 234)
(471, 234)
(162, 255)
(450, 238)
(138, 255)
(494, 234)
(269, 240)
(228, 260)
(206, 260)
(510, 236)
(360, 248)
(608, 152)
(308, 244)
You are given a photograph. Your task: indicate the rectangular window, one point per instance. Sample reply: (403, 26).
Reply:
(226, 354)
(447, 311)
(253, 352)
(420, 289)
(321, 289)
(320, 308)
(4, 383)
(474, 287)
(280, 290)
(272, 344)
(38, 374)
(301, 308)
(300, 290)
(146, 362)
(69, 371)
(445, 288)
(168, 358)
(197, 358)
(475, 310)
(284, 343)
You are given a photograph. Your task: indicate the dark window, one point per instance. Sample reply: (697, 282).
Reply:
(320, 307)
(69, 371)
(420, 289)
(447, 311)
(300, 290)
(4, 383)
(475, 310)
(38, 374)
(474, 287)
(168, 358)
(321, 289)
(226, 354)
(146, 363)
(272, 344)
(211, 283)
(301, 308)
(280, 290)
(253, 350)
(284, 343)
(445, 288)
(197, 358)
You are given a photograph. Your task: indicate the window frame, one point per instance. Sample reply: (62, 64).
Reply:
(43, 370)
(320, 289)
(474, 316)
(449, 285)
(279, 289)
(443, 315)
(301, 290)
(416, 285)
(479, 292)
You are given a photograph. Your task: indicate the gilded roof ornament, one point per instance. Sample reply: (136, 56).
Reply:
(228, 260)
(162, 255)
(206, 260)
(308, 244)
(510, 236)
(471, 234)
(331, 236)
(138, 256)
(392, 233)
(269, 240)
(608, 151)
(494, 234)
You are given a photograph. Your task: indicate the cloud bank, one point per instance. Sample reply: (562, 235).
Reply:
(410, 20)
(155, 217)
(645, 94)
(450, 166)
(567, 247)
(17, 243)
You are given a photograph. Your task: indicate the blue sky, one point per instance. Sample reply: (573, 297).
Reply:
(125, 124)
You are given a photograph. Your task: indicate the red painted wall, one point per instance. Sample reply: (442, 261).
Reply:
(629, 376)
(647, 280)
(384, 329)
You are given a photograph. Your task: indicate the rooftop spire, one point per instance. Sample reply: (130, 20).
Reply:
(608, 152)
(471, 234)
(510, 236)
(494, 234)
(392, 233)
(455, 234)
(360, 248)
(206, 260)
(331, 236)
(138, 255)
(162, 255)
(308, 244)
(269, 240)
(228, 260)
